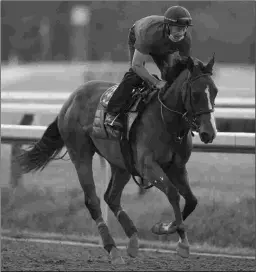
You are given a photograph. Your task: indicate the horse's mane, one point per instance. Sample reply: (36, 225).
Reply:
(173, 72)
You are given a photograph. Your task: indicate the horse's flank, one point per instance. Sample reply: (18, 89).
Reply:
(81, 106)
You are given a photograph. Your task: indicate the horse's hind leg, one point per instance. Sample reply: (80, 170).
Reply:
(119, 179)
(82, 159)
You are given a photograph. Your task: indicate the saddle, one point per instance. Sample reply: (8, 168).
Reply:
(141, 96)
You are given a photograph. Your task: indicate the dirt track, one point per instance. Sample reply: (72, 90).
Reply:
(20, 255)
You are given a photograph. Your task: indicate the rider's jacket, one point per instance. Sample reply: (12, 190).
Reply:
(151, 37)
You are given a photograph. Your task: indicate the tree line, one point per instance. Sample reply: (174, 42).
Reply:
(42, 30)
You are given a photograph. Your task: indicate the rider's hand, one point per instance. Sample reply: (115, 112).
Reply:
(161, 84)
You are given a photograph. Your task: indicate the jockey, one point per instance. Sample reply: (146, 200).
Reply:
(165, 39)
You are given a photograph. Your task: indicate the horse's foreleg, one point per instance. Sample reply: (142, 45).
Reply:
(112, 197)
(179, 177)
(155, 174)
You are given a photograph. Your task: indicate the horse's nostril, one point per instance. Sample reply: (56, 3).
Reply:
(204, 137)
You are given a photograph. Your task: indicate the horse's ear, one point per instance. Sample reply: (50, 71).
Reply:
(190, 64)
(209, 66)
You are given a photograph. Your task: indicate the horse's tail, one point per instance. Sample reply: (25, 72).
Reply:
(42, 152)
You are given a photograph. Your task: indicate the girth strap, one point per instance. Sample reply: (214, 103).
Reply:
(126, 151)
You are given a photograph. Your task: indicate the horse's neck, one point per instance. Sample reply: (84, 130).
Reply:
(173, 96)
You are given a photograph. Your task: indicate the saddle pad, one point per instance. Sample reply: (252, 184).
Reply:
(104, 99)
(98, 128)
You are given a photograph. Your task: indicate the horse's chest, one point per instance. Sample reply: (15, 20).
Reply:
(176, 153)
(163, 155)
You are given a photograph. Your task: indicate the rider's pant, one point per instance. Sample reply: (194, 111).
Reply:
(122, 94)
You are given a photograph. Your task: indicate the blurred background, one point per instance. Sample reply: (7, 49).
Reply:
(97, 30)
(49, 48)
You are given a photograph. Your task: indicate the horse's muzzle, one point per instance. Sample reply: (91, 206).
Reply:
(207, 130)
(206, 138)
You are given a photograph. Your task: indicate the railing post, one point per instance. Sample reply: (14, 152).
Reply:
(15, 172)
(104, 207)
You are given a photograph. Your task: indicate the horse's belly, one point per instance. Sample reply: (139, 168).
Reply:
(110, 150)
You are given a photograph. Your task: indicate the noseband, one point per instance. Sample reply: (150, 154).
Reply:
(191, 122)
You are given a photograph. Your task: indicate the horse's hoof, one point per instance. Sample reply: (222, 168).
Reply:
(182, 250)
(133, 246)
(164, 228)
(116, 257)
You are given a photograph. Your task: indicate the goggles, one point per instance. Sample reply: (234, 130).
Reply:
(186, 21)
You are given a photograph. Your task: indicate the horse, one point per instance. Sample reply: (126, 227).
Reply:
(161, 145)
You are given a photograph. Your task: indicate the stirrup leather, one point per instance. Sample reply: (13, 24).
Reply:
(112, 123)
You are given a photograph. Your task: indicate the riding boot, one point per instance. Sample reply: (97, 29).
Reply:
(119, 100)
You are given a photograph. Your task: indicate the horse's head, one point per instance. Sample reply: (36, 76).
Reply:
(199, 94)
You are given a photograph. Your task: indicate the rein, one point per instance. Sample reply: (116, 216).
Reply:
(192, 124)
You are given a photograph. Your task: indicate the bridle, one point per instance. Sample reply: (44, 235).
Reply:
(190, 121)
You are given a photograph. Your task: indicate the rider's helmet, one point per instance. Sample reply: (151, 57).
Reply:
(178, 15)
(180, 18)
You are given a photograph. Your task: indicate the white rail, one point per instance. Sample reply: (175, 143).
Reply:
(43, 95)
(36, 108)
(224, 142)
